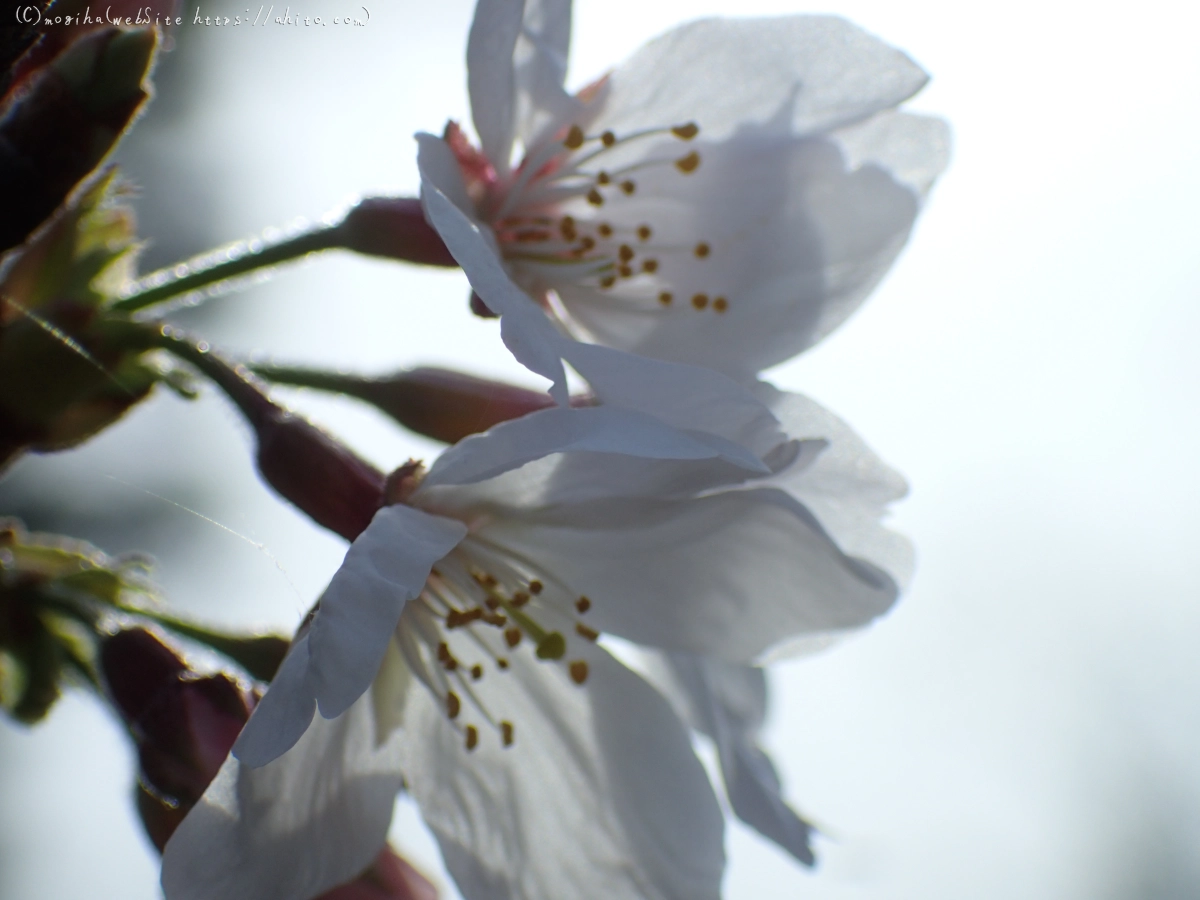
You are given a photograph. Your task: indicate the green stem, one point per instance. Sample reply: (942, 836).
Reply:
(326, 238)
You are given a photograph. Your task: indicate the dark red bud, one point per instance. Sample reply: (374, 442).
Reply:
(182, 722)
(327, 481)
(389, 878)
(394, 227)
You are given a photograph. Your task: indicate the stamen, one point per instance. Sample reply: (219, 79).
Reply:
(644, 232)
(720, 304)
(574, 138)
(551, 646)
(446, 658)
(587, 243)
(608, 139)
(628, 187)
(584, 632)
(506, 733)
(519, 599)
(472, 737)
(453, 705)
(512, 637)
(535, 587)
(594, 198)
(476, 672)
(625, 253)
(604, 230)
(602, 178)
(686, 132)
(689, 163)
(501, 662)
(649, 266)
(665, 298)
(702, 250)
(579, 671)
(700, 301)
(583, 604)
(608, 281)
(625, 271)
(567, 228)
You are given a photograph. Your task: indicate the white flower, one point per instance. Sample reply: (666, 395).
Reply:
(725, 198)
(457, 648)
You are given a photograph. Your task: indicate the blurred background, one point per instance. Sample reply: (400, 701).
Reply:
(1026, 723)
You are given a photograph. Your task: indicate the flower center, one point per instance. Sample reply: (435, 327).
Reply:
(575, 215)
(479, 608)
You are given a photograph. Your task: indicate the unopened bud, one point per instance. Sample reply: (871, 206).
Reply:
(326, 480)
(72, 114)
(438, 403)
(390, 877)
(394, 227)
(183, 723)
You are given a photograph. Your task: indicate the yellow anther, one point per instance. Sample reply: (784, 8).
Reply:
(665, 298)
(625, 271)
(574, 138)
(628, 187)
(472, 737)
(583, 604)
(501, 662)
(519, 599)
(644, 232)
(625, 253)
(512, 636)
(594, 198)
(535, 587)
(602, 178)
(584, 632)
(552, 646)
(686, 132)
(476, 672)
(649, 266)
(604, 229)
(587, 243)
(579, 671)
(506, 733)
(453, 705)
(608, 281)
(700, 301)
(492, 603)
(688, 164)
(608, 139)
(702, 250)
(567, 228)
(720, 304)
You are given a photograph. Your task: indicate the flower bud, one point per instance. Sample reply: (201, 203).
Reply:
(394, 227)
(72, 114)
(325, 479)
(389, 878)
(438, 403)
(183, 723)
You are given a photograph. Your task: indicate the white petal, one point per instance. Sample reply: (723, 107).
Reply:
(526, 331)
(798, 240)
(729, 574)
(336, 660)
(385, 567)
(283, 714)
(600, 796)
(491, 81)
(540, 63)
(912, 149)
(312, 819)
(848, 488)
(728, 703)
(807, 74)
(598, 429)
